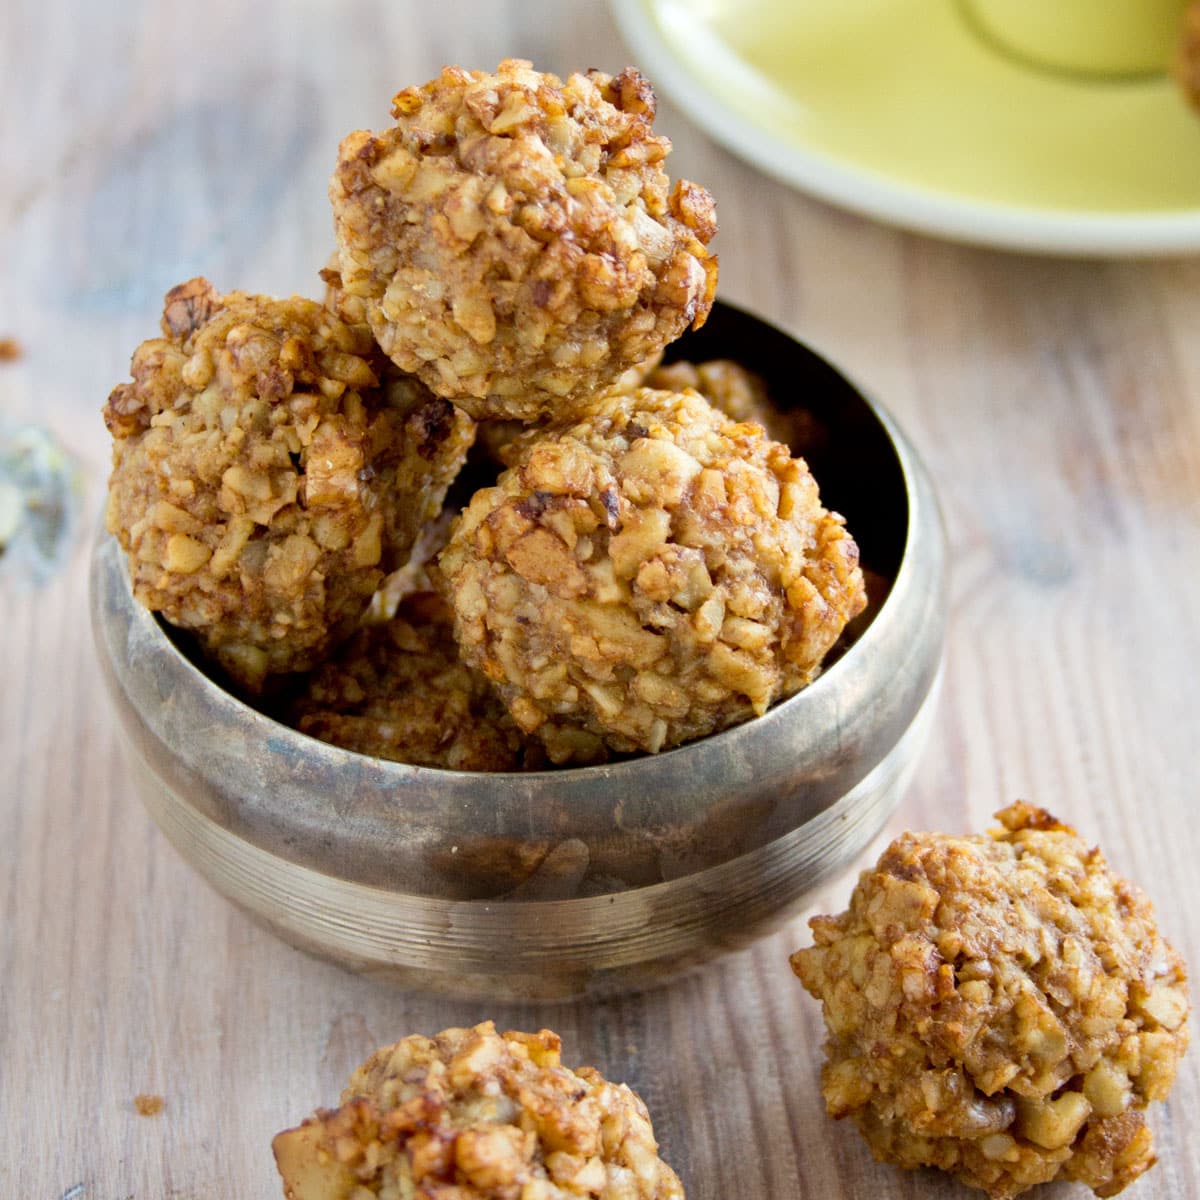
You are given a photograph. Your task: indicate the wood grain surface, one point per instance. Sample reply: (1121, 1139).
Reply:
(1057, 404)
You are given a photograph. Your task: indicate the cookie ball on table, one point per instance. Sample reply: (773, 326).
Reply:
(398, 690)
(268, 467)
(651, 574)
(516, 240)
(475, 1115)
(1002, 1007)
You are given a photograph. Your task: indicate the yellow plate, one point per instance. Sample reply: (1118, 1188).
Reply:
(898, 110)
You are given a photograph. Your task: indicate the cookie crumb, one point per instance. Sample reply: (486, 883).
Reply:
(148, 1105)
(10, 349)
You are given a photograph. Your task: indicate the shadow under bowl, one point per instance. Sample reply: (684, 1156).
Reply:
(589, 881)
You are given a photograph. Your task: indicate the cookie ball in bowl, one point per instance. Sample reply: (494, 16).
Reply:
(397, 690)
(268, 467)
(651, 574)
(1001, 1007)
(515, 240)
(471, 1114)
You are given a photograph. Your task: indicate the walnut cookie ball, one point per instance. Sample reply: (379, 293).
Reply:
(1001, 1007)
(515, 238)
(475, 1115)
(398, 690)
(652, 574)
(264, 477)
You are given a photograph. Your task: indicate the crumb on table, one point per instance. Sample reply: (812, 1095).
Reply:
(148, 1105)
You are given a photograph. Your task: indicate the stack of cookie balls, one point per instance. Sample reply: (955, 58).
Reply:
(649, 565)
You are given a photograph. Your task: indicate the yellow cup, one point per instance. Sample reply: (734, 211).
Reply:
(1087, 37)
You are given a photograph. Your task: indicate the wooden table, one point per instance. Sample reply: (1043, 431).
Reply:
(1057, 403)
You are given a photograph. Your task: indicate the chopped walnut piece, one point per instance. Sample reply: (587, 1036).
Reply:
(475, 1115)
(513, 239)
(269, 465)
(649, 575)
(1001, 1007)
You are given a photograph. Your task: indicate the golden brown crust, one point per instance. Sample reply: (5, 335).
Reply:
(649, 575)
(475, 1115)
(397, 690)
(513, 239)
(1001, 1007)
(267, 470)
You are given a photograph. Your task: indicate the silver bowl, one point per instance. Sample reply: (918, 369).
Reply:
(558, 884)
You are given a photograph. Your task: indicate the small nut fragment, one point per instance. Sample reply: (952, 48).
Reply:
(185, 554)
(1053, 1123)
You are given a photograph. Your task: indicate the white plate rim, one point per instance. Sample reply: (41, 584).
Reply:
(883, 198)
